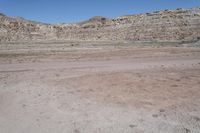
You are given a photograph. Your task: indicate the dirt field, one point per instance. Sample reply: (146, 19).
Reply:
(100, 90)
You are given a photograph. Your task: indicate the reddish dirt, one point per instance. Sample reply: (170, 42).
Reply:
(131, 90)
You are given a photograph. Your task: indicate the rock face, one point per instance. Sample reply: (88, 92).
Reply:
(167, 25)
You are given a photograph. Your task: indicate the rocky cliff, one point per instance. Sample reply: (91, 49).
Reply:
(167, 25)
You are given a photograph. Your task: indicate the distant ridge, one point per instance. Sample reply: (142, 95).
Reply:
(167, 25)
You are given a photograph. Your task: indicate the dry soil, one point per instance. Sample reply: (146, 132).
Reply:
(101, 90)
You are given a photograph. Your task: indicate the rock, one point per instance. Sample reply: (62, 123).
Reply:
(167, 25)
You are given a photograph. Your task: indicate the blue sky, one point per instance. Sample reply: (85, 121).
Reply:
(58, 11)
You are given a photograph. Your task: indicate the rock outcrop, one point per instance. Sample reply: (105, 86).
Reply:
(167, 25)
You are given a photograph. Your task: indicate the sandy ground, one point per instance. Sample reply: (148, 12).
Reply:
(114, 90)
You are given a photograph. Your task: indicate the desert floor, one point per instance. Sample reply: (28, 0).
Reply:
(100, 90)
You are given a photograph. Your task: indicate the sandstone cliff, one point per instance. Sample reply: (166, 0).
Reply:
(167, 25)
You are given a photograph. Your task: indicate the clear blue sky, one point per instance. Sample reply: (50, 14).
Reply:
(57, 11)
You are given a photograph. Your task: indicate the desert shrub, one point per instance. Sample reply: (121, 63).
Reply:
(197, 15)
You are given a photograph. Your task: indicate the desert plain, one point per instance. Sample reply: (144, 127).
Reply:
(84, 88)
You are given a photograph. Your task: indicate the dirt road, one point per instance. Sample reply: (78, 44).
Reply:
(133, 90)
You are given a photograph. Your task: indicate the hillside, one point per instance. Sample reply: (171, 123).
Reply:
(167, 25)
